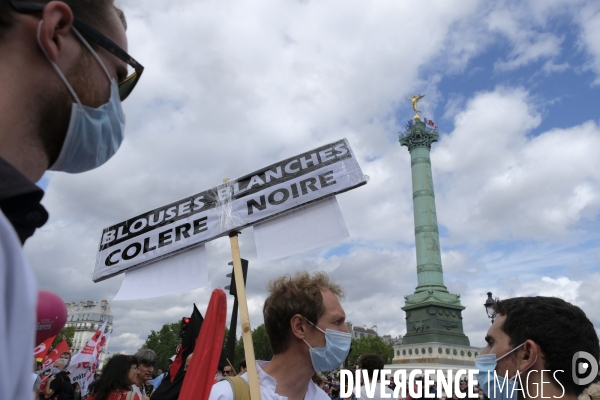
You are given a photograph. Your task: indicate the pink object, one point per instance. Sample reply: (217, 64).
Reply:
(51, 315)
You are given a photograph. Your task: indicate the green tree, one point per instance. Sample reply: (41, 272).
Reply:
(164, 343)
(260, 341)
(67, 333)
(370, 345)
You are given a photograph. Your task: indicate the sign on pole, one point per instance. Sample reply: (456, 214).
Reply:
(231, 206)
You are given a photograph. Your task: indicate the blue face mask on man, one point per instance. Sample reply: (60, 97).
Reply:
(94, 134)
(496, 387)
(337, 347)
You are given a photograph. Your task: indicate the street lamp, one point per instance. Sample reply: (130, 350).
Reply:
(489, 307)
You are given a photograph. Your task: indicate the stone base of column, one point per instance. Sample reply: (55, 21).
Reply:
(434, 317)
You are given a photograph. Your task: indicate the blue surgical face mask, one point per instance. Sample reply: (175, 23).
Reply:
(337, 346)
(94, 134)
(496, 387)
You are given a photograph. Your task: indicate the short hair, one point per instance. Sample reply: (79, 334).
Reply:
(290, 296)
(93, 12)
(371, 362)
(62, 363)
(242, 364)
(146, 357)
(559, 328)
(67, 353)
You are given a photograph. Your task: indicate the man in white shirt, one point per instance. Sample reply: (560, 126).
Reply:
(373, 388)
(306, 326)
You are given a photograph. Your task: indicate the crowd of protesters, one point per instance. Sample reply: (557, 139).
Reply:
(521, 324)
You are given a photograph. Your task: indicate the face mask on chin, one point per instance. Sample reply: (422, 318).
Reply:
(94, 134)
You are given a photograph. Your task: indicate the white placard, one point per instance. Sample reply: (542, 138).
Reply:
(182, 272)
(232, 206)
(307, 228)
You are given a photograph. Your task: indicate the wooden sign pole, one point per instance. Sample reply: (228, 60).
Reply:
(244, 318)
(238, 274)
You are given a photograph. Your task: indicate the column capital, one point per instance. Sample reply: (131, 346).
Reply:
(419, 136)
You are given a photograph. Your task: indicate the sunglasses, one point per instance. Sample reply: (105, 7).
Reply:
(227, 372)
(126, 85)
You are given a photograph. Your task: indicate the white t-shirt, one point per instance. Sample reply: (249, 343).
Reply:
(18, 294)
(222, 390)
(136, 389)
(376, 393)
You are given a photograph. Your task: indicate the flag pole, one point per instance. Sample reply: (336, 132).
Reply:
(238, 275)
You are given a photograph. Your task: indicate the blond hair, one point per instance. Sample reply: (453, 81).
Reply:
(289, 296)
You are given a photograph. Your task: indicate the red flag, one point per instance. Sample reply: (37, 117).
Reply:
(55, 354)
(200, 374)
(42, 349)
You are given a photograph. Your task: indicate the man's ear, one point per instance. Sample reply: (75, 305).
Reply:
(298, 326)
(529, 355)
(57, 20)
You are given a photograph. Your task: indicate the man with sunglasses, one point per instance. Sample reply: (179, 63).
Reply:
(63, 75)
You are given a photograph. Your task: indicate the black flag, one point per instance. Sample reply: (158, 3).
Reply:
(171, 384)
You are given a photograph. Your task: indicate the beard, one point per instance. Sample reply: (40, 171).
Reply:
(57, 104)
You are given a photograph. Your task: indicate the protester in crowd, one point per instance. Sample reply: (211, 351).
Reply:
(318, 380)
(432, 389)
(219, 375)
(66, 356)
(370, 363)
(304, 321)
(531, 334)
(49, 75)
(155, 383)
(77, 390)
(59, 381)
(146, 360)
(188, 360)
(242, 367)
(228, 371)
(119, 373)
(37, 381)
(392, 384)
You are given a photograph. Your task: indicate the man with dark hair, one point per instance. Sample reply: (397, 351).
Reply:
(306, 326)
(63, 75)
(371, 363)
(242, 367)
(147, 359)
(536, 339)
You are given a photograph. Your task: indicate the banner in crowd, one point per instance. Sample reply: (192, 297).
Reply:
(279, 188)
(83, 364)
(42, 349)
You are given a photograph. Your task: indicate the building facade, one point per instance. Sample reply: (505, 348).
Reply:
(87, 317)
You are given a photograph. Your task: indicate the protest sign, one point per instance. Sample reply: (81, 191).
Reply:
(83, 364)
(229, 207)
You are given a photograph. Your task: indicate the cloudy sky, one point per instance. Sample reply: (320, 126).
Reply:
(232, 86)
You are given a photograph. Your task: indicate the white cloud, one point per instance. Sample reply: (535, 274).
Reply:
(589, 19)
(491, 172)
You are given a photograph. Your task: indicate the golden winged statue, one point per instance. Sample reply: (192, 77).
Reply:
(415, 100)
